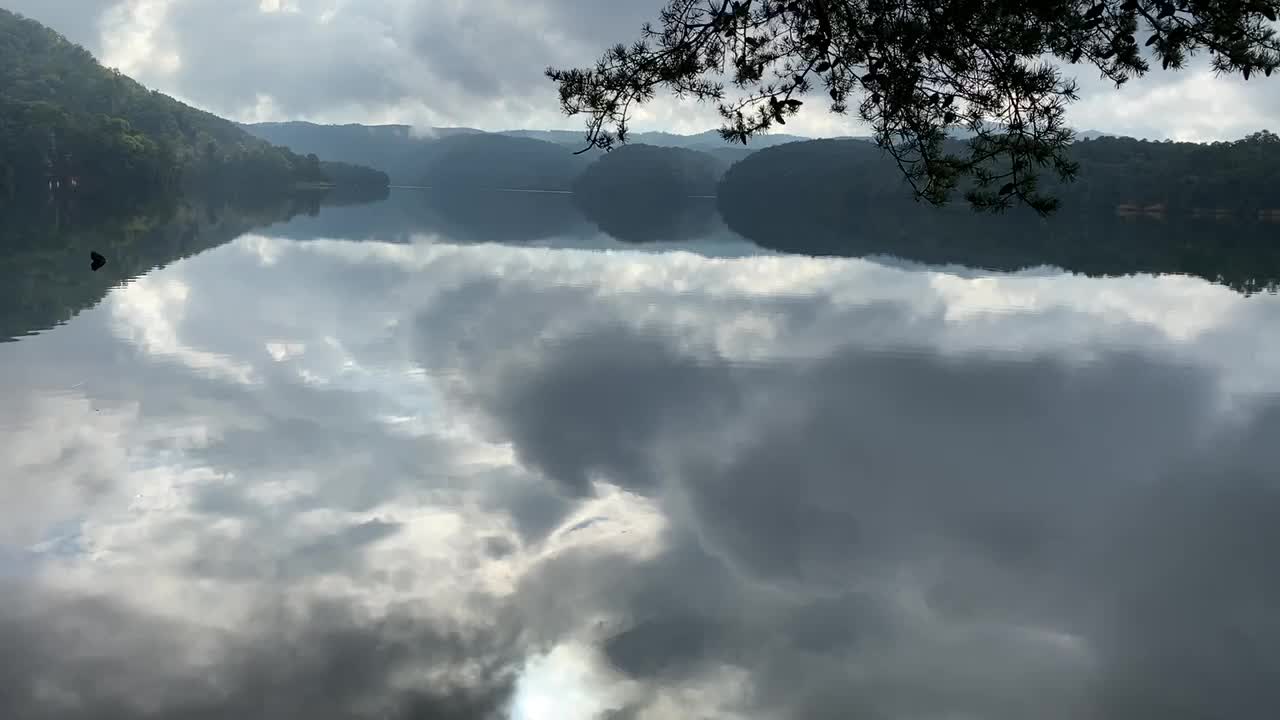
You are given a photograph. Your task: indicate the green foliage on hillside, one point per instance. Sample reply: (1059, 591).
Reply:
(1242, 176)
(347, 174)
(66, 120)
(647, 173)
(822, 176)
(840, 179)
(42, 144)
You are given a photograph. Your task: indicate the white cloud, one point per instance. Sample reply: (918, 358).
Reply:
(444, 63)
(149, 312)
(129, 39)
(1192, 105)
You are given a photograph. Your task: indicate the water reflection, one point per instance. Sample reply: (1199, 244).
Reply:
(1242, 254)
(463, 479)
(45, 249)
(527, 218)
(647, 220)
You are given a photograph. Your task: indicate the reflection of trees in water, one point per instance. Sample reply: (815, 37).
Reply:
(519, 217)
(643, 220)
(1192, 209)
(44, 249)
(460, 216)
(1239, 254)
(481, 216)
(1242, 255)
(344, 195)
(477, 216)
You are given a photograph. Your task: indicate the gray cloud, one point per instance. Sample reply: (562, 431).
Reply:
(1062, 525)
(73, 657)
(893, 452)
(611, 396)
(442, 62)
(445, 62)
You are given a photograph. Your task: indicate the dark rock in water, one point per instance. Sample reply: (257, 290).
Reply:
(96, 261)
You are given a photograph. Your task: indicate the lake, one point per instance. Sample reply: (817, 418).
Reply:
(448, 457)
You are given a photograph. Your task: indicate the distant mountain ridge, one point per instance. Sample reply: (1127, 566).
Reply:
(699, 141)
(575, 138)
(409, 154)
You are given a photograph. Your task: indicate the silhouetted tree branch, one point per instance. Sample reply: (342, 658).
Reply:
(915, 69)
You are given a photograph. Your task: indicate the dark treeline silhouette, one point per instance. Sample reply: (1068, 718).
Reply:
(840, 179)
(45, 247)
(1241, 177)
(68, 124)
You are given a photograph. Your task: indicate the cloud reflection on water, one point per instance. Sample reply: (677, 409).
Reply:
(335, 479)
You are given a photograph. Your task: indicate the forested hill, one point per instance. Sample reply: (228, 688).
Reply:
(645, 193)
(842, 180)
(67, 121)
(502, 162)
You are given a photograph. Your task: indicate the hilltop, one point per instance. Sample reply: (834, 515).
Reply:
(68, 122)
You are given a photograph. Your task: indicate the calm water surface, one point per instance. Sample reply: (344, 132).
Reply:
(413, 461)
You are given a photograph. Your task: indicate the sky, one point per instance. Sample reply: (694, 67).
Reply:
(479, 63)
